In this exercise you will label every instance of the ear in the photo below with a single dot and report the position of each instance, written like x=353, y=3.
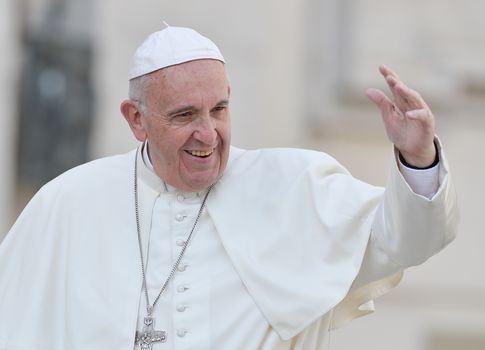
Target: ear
x=131, y=112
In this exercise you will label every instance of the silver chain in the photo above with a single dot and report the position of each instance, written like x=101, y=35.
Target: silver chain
x=182, y=252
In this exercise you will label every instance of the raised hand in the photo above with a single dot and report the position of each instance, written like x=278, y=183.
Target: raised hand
x=407, y=118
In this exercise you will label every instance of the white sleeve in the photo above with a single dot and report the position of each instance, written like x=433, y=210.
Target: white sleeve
x=417, y=217
x=424, y=182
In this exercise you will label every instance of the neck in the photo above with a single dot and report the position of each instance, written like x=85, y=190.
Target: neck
x=149, y=165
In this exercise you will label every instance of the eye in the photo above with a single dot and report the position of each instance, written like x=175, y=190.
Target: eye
x=183, y=115
x=219, y=108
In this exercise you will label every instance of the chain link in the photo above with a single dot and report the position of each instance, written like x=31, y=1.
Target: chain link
x=182, y=252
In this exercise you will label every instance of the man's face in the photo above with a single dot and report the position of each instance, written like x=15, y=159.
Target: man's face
x=187, y=123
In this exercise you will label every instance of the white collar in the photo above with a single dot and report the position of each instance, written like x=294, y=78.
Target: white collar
x=146, y=156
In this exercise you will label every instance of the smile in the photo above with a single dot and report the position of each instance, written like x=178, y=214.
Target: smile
x=201, y=154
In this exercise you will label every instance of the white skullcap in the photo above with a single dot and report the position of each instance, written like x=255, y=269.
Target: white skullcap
x=171, y=46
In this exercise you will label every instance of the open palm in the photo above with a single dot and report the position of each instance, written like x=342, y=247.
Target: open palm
x=407, y=118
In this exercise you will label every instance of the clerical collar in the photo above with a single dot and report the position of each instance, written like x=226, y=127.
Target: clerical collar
x=146, y=156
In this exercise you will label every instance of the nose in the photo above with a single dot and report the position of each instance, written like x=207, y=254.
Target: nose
x=205, y=131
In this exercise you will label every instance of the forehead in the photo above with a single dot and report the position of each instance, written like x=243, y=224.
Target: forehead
x=189, y=77
x=195, y=83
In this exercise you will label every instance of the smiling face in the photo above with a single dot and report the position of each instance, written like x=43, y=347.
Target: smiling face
x=185, y=119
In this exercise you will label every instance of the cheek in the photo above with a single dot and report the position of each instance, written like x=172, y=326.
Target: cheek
x=225, y=131
x=170, y=142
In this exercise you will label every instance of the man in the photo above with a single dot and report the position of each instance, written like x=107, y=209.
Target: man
x=188, y=242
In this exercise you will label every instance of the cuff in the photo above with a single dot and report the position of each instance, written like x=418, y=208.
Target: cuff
x=423, y=181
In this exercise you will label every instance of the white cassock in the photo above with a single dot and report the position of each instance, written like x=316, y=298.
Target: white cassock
x=289, y=247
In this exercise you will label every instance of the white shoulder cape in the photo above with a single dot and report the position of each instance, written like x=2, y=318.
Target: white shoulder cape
x=295, y=224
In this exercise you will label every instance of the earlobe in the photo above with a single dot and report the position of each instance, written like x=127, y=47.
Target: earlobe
x=131, y=112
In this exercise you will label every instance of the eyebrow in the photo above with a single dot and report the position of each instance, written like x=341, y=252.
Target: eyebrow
x=180, y=110
x=223, y=102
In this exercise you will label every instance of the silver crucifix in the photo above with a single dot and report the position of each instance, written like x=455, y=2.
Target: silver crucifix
x=148, y=335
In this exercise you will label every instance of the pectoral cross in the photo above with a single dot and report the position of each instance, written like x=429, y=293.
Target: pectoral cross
x=148, y=335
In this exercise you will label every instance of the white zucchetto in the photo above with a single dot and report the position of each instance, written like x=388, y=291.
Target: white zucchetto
x=171, y=46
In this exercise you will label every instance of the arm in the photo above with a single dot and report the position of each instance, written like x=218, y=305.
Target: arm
x=409, y=228
x=412, y=223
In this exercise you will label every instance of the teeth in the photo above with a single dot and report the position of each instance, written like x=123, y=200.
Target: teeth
x=200, y=153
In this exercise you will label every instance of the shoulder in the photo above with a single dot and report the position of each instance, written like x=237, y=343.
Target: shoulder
x=96, y=176
x=283, y=159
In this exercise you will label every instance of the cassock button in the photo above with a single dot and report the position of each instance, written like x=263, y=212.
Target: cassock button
x=182, y=288
x=181, y=308
x=180, y=197
x=180, y=242
x=181, y=267
x=179, y=217
x=182, y=332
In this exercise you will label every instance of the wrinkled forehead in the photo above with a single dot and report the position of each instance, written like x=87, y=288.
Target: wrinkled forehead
x=188, y=82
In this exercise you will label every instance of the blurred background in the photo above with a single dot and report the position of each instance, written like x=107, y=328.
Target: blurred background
x=298, y=70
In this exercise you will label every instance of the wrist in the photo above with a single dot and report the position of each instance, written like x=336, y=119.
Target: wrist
x=426, y=161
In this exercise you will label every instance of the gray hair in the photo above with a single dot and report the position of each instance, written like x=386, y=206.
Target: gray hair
x=138, y=90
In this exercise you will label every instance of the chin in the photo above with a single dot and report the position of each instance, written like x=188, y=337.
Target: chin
x=202, y=184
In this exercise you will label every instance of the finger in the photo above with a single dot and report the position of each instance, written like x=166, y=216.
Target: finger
x=406, y=98
x=375, y=96
x=388, y=72
x=386, y=106
x=379, y=98
x=392, y=80
x=395, y=86
x=423, y=115
x=410, y=98
x=424, y=118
